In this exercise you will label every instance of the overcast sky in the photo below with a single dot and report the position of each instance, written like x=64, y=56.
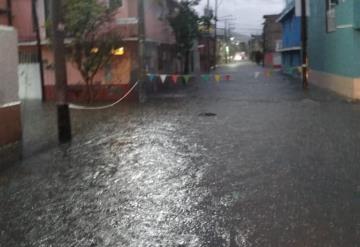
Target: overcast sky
x=247, y=13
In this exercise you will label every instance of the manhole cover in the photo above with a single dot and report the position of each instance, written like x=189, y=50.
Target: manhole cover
x=207, y=114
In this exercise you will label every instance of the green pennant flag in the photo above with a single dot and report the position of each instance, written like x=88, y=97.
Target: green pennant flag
x=187, y=78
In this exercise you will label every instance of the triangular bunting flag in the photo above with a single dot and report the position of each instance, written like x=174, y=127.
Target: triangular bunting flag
x=266, y=73
x=163, y=78
x=217, y=78
x=151, y=77
x=187, y=78
x=205, y=77
x=174, y=78
x=227, y=77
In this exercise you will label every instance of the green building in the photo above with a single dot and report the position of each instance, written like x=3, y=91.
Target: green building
x=334, y=46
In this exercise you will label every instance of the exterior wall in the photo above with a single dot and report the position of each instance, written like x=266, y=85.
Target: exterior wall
x=4, y=17
x=22, y=19
x=156, y=24
x=271, y=34
x=255, y=46
x=291, y=39
x=346, y=86
x=109, y=84
x=291, y=59
x=121, y=72
x=291, y=25
x=10, y=124
x=335, y=54
x=272, y=59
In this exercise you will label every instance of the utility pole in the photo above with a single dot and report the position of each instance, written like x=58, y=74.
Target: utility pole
x=63, y=113
x=39, y=50
x=304, y=43
x=141, y=51
x=207, y=14
x=9, y=12
x=215, y=41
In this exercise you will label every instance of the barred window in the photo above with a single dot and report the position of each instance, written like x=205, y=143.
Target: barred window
x=331, y=15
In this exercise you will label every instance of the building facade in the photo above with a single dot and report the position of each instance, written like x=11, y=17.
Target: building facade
x=117, y=76
x=256, y=48
x=290, y=45
x=334, y=46
x=10, y=116
x=272, y=33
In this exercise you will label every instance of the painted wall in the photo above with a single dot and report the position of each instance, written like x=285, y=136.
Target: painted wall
x=291, y=30
x=8, y=65
x=156, y=26
x=291, y=38
x=291, y=59
x=10, y=124
x=3, y=18
x=335, y=52
x=22, y=18
x=122, y=69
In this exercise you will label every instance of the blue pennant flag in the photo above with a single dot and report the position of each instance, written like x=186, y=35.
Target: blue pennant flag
x=151, y=77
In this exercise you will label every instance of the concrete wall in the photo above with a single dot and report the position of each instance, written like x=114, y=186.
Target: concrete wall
x=8, y=65
x=10, y=124
x=334, y=52
x=334, y=56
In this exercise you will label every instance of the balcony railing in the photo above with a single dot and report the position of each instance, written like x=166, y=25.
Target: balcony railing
x=279, y=45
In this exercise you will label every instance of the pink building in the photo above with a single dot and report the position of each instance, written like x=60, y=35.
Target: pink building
x=115, y=78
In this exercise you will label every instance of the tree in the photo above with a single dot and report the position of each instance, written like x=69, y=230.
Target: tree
x=92, y=38
x=184, y=22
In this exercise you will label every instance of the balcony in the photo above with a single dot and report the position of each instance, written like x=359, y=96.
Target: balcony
x=280, y=47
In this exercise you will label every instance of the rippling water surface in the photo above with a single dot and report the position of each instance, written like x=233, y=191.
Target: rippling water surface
x=251, y=162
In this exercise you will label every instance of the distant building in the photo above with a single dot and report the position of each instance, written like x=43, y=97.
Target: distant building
x=114, y=80
x=272, y=33
x=290, y=45
x=256, y=48
x=334, y=46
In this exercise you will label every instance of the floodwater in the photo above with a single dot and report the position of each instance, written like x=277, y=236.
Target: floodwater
x=250, y=162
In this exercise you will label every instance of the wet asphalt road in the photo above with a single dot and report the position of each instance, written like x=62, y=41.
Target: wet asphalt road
x=276, y=166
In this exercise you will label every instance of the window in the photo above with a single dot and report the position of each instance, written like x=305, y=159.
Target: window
x=113, y=4
x=331, y=15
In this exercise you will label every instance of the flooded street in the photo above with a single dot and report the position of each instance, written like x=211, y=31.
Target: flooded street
x=246, y=162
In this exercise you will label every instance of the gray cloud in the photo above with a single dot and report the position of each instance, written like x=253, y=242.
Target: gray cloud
x=248, y=13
